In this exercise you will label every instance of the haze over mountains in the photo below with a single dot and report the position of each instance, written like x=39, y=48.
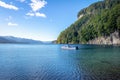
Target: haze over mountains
x=11, y=39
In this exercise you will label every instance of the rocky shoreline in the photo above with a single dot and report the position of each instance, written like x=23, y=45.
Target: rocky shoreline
x=113, y=39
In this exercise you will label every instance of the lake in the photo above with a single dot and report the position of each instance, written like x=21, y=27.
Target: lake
x=50, y=62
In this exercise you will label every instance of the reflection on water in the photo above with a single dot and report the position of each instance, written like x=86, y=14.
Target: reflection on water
x=50, y=62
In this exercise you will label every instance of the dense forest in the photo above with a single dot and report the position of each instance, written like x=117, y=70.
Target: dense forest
x=99, y=19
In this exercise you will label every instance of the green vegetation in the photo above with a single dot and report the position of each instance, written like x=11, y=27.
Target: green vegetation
x=99, y=19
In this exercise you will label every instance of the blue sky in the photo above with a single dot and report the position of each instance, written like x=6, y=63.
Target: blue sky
x=38, y=19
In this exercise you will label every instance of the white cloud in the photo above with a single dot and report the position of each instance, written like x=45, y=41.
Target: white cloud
x=37, y=14
x=8, y=6
x=36, y=5
x=40, y=14
x=12, y=24
x=30, y=14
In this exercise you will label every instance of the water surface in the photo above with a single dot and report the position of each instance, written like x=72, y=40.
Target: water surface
x=50, y=62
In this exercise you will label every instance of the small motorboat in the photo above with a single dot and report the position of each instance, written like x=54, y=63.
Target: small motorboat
x=69, y=47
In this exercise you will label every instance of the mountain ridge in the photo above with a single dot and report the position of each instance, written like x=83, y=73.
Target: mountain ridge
x=11, y=39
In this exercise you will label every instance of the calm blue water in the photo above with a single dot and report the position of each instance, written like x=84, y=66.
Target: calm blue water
x=50, y=62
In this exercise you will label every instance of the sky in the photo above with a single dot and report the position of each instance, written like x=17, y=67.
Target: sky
x=38, y=19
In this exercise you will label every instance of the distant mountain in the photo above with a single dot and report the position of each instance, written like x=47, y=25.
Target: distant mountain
x=47, y=42
x=54, y=42
x=50, y=42
x=11, y=39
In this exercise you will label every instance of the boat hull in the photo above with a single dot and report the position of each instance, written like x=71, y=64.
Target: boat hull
x=69, y=48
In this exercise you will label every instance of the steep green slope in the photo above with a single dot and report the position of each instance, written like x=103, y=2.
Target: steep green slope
x=99, y=19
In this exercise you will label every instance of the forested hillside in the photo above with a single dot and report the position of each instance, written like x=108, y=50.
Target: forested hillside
x=100, y=19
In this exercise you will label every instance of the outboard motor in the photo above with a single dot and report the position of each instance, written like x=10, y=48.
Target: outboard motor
x=76, y=47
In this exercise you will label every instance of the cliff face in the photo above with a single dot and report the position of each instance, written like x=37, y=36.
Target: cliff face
x=113, y=39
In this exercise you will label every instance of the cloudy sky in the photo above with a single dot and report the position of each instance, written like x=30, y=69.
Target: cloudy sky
x=38, y=19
